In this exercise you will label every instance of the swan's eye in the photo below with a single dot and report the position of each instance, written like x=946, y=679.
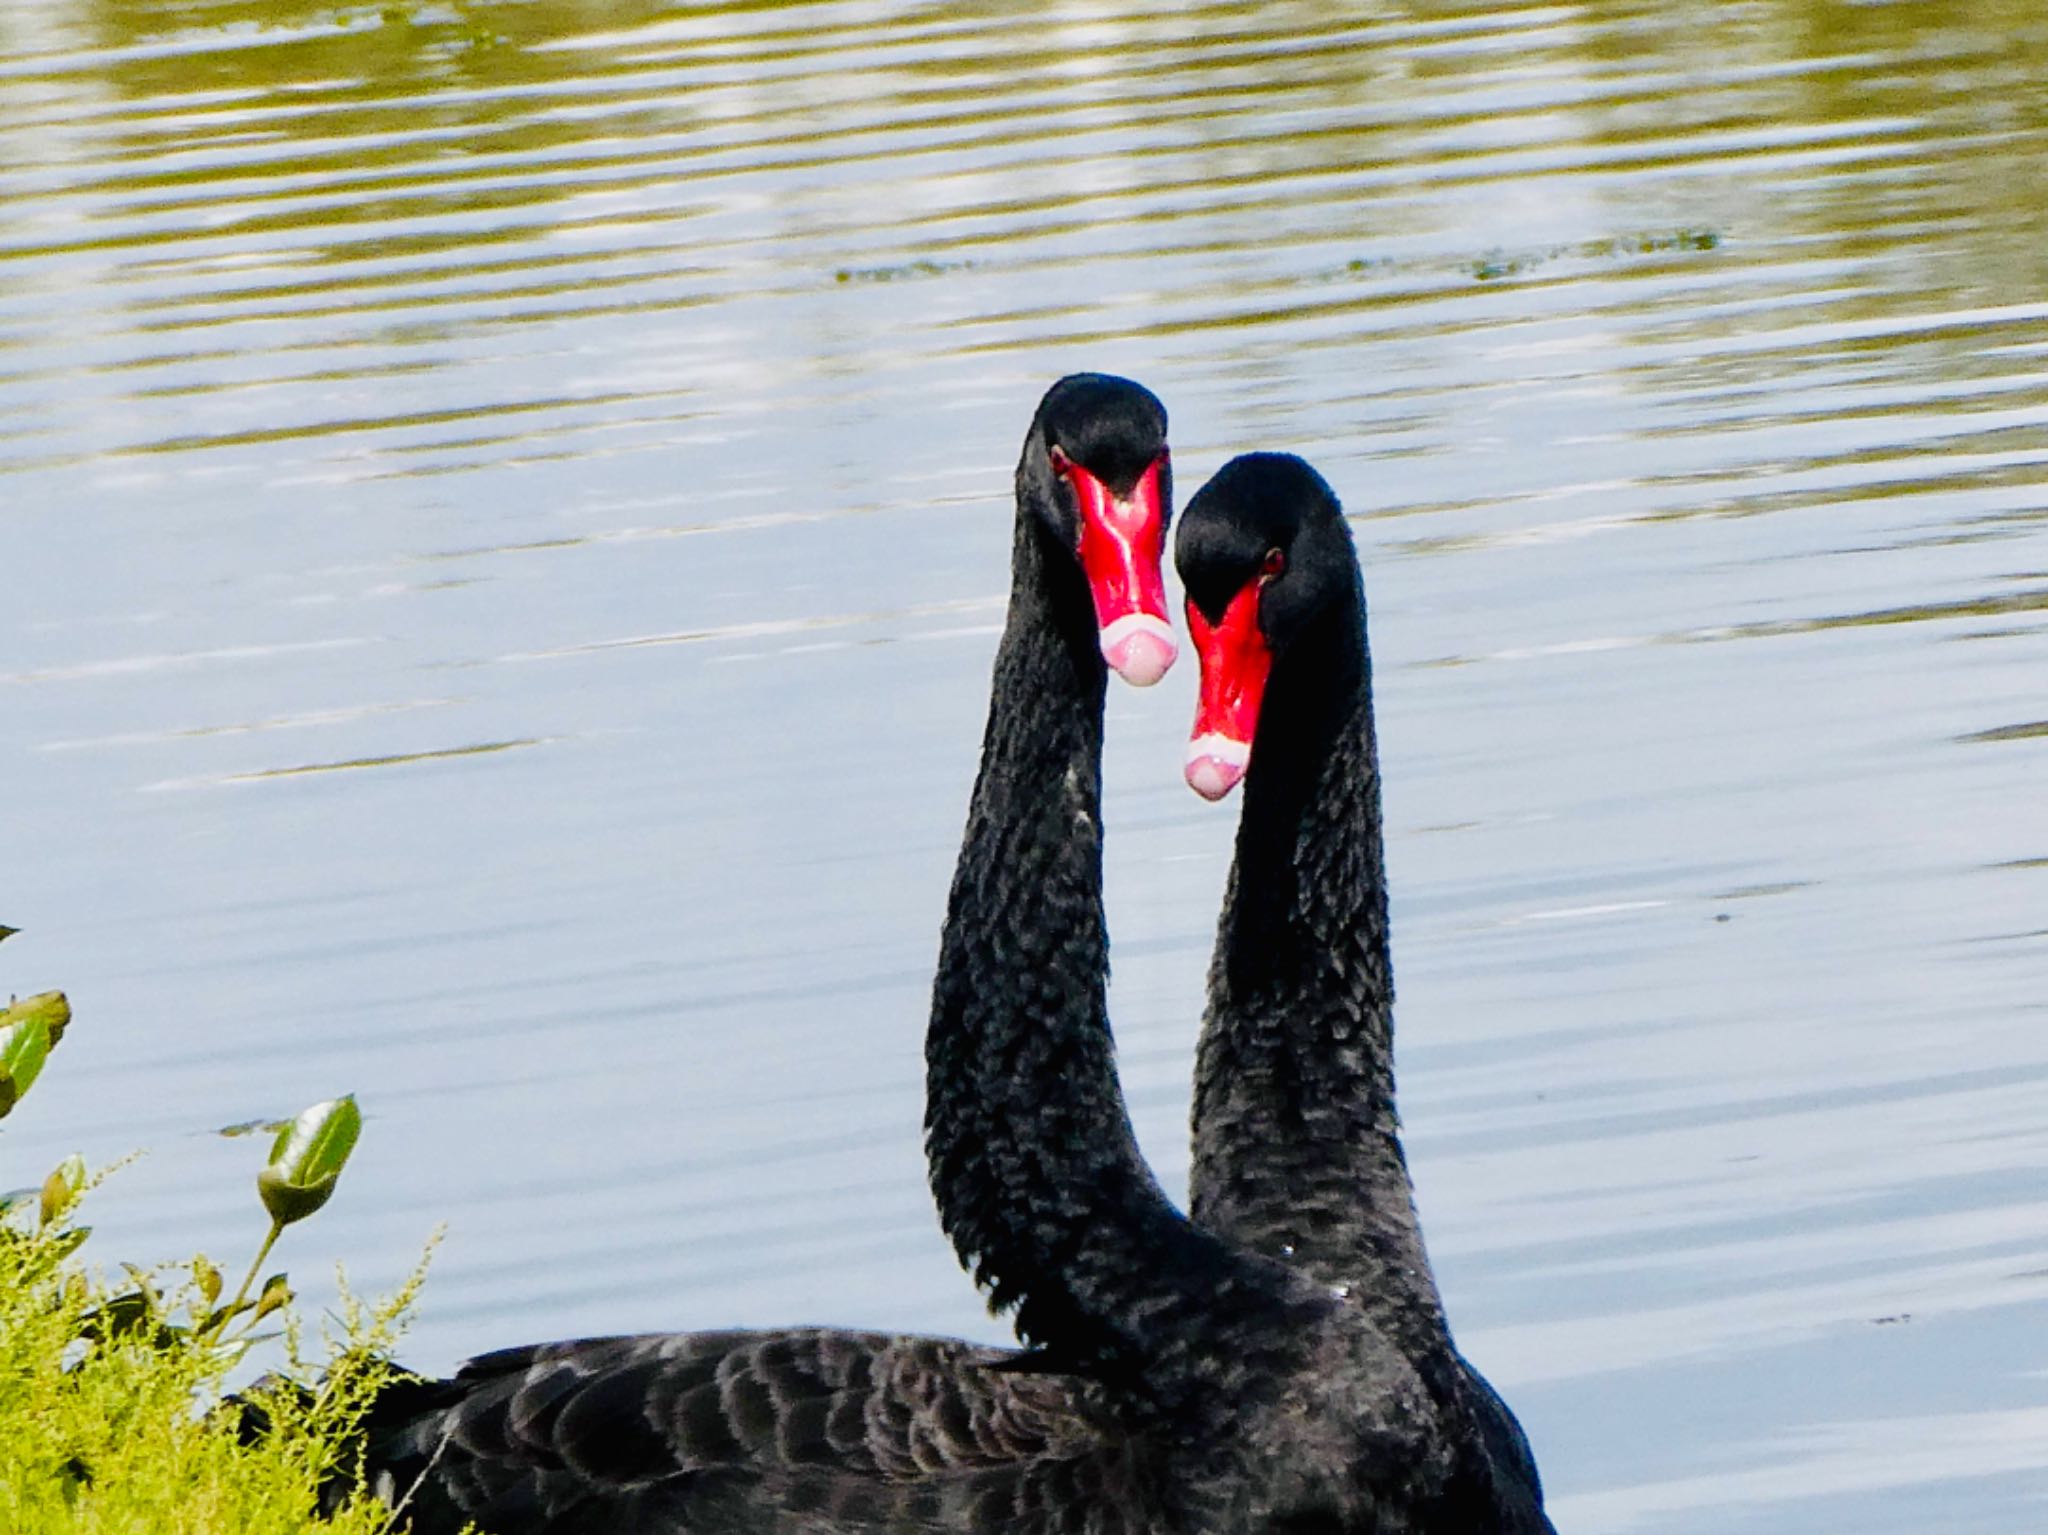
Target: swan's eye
x=1061, y=464
x=1270, y=567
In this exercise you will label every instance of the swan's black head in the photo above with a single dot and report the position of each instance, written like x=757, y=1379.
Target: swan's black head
x=1264, y=552
x=1095, y=472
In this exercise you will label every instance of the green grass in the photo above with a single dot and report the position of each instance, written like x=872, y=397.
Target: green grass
x=111, y=1395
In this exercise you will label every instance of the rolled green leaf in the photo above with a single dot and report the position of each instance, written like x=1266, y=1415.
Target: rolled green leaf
x=287, y=1201
x=275, y=1295
x=62, y=1188
x=307, y=1158
x=24, y=1046
x=50, y=1006
x=55, y=1008
x=7, y=932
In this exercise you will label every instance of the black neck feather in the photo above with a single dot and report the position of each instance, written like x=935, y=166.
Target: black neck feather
x=1297, y=1147
x=1038, y=1178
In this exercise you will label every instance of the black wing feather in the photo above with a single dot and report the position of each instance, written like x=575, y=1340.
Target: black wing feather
x=789, y=1429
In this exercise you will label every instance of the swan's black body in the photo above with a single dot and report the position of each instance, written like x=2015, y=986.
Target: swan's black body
x=1297, y=1152
x=1246, y=1396
x=793, y=1429
x=1027, y=1140
x=827, y=1431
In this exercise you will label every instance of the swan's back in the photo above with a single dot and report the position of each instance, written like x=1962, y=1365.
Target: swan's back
x=795, y=1429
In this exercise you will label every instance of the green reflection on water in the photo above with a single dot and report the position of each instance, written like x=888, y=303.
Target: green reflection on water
x=359, y=89
x=1720, y=172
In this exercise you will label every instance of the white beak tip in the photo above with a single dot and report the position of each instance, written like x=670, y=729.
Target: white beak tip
x=1139, y=648
x=1215, y=764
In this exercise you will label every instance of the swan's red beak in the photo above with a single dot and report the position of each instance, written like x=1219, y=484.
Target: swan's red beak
x=1235, y=662
x=1121, y=541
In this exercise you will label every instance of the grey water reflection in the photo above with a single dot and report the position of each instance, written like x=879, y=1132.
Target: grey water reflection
x=503, y=522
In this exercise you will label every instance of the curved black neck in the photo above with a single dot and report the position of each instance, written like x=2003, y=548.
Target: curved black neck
x=1297, y=1152
x=1038, y=1177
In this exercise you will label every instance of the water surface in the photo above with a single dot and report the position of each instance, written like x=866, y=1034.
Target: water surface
x=503, y=521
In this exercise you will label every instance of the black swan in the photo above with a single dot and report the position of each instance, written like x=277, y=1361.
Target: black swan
x=820, y=1430
x=1297, y=1152
x=1244, y=1393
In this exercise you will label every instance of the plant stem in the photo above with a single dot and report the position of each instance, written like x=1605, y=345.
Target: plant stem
x=234, y=1306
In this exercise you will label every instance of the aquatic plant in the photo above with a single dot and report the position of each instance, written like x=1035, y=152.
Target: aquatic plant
x=115, y=1392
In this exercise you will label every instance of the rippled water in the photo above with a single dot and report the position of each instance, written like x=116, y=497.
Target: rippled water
x=503, y=519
